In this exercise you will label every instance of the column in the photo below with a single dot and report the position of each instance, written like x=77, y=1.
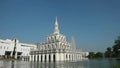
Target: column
x=32, y=57
x=57, y=56
x=39, y=57
x=51, y=56
x=47, y=57
x=43, y=57
x=62, y=56
x=16, y=55
x=36, y=58
x=11, y=54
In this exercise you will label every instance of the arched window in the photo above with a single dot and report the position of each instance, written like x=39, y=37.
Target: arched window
x=51, y=46
x=55, y=38
x=56, y=46
x=48, y=47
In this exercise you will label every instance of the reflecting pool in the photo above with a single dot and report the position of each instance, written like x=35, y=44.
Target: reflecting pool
x=100, y=63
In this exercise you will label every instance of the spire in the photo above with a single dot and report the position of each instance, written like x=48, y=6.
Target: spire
x=56, y=30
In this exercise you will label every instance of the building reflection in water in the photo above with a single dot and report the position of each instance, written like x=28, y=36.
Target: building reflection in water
x=56, y=65
x=1, y=64
x=82, y=64
x=23, y=64
x=12, y=64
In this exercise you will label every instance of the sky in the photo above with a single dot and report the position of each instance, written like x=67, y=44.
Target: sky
x=94, y=24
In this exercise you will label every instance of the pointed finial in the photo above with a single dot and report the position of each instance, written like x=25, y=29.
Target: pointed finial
x=56, y=21
x=56, y=30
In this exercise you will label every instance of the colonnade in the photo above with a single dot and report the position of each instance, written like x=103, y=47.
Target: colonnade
x=53, y=57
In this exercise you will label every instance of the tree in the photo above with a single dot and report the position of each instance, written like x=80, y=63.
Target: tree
x=116, y=48
x=91, y=55
x=98, y=55
x=108, y=53
x=95, y=55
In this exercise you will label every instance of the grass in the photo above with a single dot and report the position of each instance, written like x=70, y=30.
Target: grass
x=116, y=66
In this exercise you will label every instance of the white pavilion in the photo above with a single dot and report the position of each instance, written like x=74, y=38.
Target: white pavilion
x=56, y=48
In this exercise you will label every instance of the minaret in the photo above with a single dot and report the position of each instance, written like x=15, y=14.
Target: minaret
x=56, y=30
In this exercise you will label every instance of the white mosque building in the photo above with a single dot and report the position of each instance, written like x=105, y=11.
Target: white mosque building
x=57, y=48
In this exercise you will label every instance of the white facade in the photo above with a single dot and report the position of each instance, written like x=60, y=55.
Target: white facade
x=6, y=46
x=14, y=49
x=56, y=48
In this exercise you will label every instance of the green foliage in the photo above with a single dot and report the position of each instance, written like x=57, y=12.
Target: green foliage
x=93, y=55
x=116, y=66
x=116, y=48
x=98, y=55
x=108, y=53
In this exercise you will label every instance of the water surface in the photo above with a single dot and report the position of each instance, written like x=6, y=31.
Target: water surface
x=100, y=63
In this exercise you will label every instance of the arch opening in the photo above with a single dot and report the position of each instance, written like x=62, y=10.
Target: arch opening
x=49, y=58
x=45, y=58
x=54, y=57
x=41, y=58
